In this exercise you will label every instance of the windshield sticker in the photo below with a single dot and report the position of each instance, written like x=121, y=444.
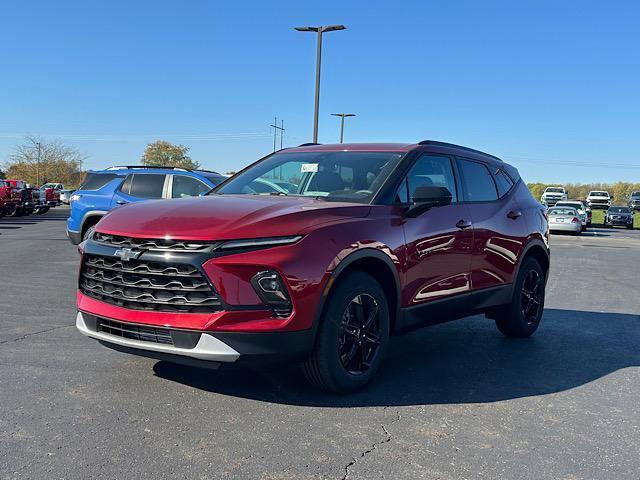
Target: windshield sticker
x=309, y=168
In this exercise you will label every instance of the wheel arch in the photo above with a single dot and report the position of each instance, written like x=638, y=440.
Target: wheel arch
x=90, y=219
x=537, y=249
x=375, y=263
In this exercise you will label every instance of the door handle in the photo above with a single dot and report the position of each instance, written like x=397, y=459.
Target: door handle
x=514, y=215
x=462, y=224
x=121, y=202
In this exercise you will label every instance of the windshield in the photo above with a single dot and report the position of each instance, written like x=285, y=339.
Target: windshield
x=619, y=210
x=599, y=194
x=334, y=176
x=562, y=211
x=555, y=190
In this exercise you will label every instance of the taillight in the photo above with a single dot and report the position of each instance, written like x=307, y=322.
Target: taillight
x=575, y=220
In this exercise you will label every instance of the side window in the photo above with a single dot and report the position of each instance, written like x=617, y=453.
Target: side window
x=94, y=181
x=185, y=186
x=503, y=182
x=126, y=185
x=429, y=170
x=147, y=185
x=477, y=182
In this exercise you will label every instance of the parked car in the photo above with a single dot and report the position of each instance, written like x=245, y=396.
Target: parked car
x=107, y=189
x=587, y=208
x=65, y=196
x=553, y=195
x=375, y=239
x=599, y=199
x=51, y=195
x=582, y=213
x=22, y=202
x=634, y=201
x=564, y=219
x=619, y=217
x=7, y=199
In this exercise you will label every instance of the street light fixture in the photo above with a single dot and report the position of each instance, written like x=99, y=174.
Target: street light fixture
x=319, y=30
x=342, y=117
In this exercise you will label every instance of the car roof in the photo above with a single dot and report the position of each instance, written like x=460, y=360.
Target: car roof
x=434, y=145
x=124, y=170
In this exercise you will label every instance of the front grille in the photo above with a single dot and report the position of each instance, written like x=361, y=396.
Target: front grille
x=135, y=332
x=154, y=243
x=144, y=285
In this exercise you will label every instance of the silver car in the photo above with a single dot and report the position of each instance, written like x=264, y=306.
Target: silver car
x=564, y=219
x=582, y=212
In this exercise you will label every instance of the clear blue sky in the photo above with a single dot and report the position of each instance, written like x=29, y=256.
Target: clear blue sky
x=552, y=86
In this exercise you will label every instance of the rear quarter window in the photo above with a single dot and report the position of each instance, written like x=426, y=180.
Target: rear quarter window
x=95, y=181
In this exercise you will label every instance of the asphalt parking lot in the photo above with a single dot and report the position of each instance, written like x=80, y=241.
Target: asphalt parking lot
x=453, y=401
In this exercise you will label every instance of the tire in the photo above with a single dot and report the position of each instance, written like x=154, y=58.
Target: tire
x=511, y=320
x=325, y=368
x=88, y=233
x=16, y=213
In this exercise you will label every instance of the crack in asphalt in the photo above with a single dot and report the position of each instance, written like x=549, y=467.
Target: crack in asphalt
x=35, y=333
x=375, y=445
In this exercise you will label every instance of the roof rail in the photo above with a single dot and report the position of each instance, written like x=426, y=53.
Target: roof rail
x=453, y=145
x=206, y=171
x=308, y=144
x=120, y=167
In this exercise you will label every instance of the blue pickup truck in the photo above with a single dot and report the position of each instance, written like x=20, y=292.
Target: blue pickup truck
x=104, y=190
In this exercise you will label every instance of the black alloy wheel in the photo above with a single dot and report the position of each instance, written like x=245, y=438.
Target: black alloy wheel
x=359, y=337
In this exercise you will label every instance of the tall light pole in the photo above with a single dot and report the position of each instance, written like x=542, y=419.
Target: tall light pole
x=342, y=117
x=319, y=30
x=38, y=165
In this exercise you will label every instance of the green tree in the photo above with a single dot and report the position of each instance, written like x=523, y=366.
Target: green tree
x=165, y=154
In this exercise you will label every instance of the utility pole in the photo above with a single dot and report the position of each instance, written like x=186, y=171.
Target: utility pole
x=276, y=128
x=319, y=30
x=342, y=117
x=281, y=132
x=38, y=166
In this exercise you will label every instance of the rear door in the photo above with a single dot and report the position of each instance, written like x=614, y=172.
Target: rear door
x=439, y=241
x=140, y=186
x=500, y=228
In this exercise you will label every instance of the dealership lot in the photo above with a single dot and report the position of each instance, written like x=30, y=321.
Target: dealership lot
x=453, y=401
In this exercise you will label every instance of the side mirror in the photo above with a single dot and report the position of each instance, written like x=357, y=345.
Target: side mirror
x=427, y=197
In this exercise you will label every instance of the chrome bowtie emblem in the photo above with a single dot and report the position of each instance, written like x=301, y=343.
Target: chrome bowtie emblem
x=127, y=254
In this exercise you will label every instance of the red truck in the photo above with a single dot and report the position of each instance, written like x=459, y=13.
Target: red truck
x=11, y=203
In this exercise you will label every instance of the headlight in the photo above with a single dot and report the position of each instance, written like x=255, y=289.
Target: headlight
x=258, y=242
x=74, y=197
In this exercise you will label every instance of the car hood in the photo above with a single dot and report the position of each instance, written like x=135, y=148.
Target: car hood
x=224, y=217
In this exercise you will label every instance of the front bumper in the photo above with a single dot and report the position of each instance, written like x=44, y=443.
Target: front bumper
x=209, y=348
x=74, y=237
x=619, y=222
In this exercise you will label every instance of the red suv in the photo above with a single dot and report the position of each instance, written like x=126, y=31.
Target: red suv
x=318, y=254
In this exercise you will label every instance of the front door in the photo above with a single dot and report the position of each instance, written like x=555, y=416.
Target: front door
x=439, y=241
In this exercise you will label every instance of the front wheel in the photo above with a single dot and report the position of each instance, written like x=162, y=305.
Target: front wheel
x=353, y=335
x=89, y=232
x=522, y=316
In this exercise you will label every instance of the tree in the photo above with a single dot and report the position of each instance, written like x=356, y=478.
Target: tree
x=164, y=154
x=39, y=161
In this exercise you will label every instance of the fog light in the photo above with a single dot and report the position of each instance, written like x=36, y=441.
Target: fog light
x=271, y=289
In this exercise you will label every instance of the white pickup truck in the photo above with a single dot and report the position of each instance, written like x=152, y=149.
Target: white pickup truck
x=553, y=195
x=599, y=199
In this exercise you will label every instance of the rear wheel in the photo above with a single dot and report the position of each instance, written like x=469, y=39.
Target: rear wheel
x=522, y=316
x=352, y=335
